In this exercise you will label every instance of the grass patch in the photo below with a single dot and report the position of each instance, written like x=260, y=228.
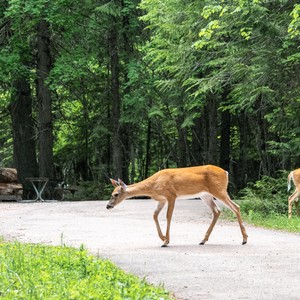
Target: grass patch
x=264, y=203
x=272, y=221
x=45, y=272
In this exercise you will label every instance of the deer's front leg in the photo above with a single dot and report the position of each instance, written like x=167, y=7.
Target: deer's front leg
x=160, y=206
x=169, y=218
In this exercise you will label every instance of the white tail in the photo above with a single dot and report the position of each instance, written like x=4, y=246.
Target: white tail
x=290, y=177
x=295, y=177
x=207, y=182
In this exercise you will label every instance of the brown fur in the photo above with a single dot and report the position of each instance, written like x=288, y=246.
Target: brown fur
x=295, y=177
x=167, y=185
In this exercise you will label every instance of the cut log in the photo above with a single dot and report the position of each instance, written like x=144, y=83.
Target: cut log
x=11, y=189
x=8, y=175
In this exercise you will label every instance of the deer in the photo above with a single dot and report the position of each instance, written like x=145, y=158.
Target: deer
x=208, y=182
x=295, y=177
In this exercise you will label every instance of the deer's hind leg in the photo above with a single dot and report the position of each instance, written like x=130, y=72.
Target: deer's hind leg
x=224, y=197
x=297, y=207
x=291, y=200
x=209, y=201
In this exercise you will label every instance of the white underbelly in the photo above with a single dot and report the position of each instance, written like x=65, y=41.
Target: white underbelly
x=193, y=196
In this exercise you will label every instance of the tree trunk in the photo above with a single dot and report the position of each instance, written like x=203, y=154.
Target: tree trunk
x=241, y=174
x=148, y=152
x=125, y=142
x=260, y=126
x=126, y=51
x=86, y=173
x=116, y=100
x=46, y=161
x=182, y=152
x=197, y=142
x=23, y=133
x=225, y=140
x=212, y=142
x=246, y=167
x=132, y=161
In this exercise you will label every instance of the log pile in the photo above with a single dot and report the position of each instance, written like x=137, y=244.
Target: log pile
x=10, y=189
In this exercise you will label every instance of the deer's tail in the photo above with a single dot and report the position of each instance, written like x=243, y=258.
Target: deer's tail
x=290, y=178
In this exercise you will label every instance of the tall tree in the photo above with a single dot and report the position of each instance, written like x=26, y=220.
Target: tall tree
x=23, y=133
x=17, y=55
x=116, y=98
x=46, y=162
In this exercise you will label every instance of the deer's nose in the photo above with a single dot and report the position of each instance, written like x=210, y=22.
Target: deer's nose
x=108, y=206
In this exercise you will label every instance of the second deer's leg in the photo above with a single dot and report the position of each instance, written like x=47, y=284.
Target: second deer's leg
x=297, y=208
x=160, y=206
x=291, y=200
x=209, y=201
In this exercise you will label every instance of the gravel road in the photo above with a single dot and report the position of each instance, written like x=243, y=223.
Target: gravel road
x=268, y=267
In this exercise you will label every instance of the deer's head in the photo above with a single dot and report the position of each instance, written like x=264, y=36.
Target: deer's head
x=118, y=194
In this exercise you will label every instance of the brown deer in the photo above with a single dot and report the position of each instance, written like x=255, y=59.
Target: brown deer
x=165, y=186
x=295, y=177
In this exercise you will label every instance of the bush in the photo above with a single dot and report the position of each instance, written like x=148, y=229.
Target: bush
x=92, y=190
x=266, y=196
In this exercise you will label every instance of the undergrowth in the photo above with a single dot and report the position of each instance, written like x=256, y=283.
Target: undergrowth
x=264, y=203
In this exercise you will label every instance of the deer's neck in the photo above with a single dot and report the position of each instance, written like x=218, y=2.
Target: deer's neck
x=142, y=188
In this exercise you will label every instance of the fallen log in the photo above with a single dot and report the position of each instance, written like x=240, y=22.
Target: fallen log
x=11, y=189
x=8, y=175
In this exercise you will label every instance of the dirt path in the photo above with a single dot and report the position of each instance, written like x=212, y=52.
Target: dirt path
x=268, y=267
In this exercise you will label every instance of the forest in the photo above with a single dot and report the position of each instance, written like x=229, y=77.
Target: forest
x=123, y=88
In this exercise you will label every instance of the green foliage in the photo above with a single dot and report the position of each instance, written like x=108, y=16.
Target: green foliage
x=6, y=142
x=241, y=47
x=267, y=196
x=90, y=190
x=109, y=8
x=273, y=221
x=264, y=203
x=294, y=27
x=174, y=58
x=43, y=272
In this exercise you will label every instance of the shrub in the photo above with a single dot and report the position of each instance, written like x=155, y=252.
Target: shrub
x=92, y=190
x=266, y=196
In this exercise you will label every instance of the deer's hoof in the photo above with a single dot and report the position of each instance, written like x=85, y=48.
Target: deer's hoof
x=165, y=244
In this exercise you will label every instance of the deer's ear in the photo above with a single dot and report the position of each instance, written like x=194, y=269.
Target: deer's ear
x=115, y=183
x=122, y=184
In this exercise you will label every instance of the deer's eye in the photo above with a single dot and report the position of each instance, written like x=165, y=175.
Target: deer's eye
x=116, y=195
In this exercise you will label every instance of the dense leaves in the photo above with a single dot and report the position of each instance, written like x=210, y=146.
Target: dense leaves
x=137, y=86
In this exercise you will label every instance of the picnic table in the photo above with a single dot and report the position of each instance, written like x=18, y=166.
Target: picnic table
x=39, y=185
x=45, y=190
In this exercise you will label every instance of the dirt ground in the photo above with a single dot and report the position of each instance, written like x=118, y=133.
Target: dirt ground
x=268, y=267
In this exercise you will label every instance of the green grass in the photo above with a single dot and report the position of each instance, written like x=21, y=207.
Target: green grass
x=256, y=215
x=30, y=271
x=273, y=221
x=265, y=203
